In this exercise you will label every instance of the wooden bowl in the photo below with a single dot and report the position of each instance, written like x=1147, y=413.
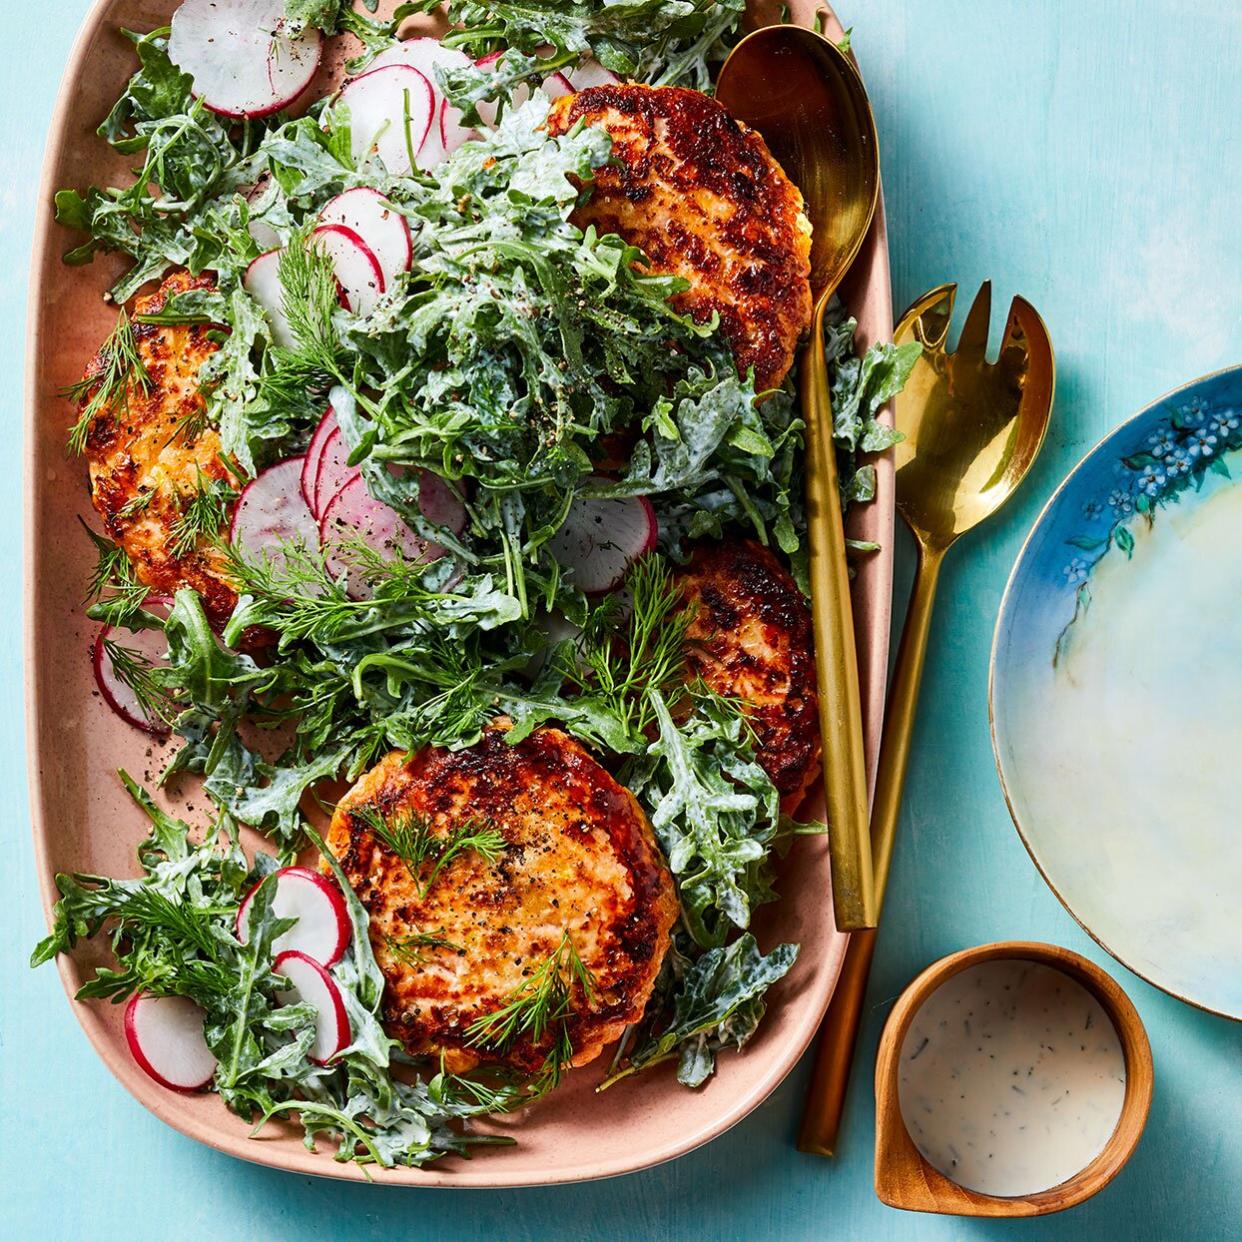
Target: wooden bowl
x=904, y=1179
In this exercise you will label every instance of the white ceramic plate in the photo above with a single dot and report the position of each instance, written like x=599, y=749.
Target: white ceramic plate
x=1117, y=693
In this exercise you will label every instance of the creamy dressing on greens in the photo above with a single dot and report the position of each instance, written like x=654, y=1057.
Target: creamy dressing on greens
x=1011, y=1078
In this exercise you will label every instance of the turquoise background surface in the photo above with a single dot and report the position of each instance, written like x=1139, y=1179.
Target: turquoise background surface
x=1086, y=155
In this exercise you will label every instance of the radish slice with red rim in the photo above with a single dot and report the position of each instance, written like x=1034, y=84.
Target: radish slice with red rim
x=263, y=233
x=439, y=504
x=589, y=73
x=381, y=227
x=453, y=133
x=314, y=455
x=353, y=514
x=311, y=984
x=241, y=62
x=390, y=113
x=602, y=537
x=262, y=282
x=322, y=930
x=256, y=226
x=556, y=86
x=147, y=646
x=427, y=55
x=271, y=513
x=358, y=271
x=334, y=471
x=165, y=1036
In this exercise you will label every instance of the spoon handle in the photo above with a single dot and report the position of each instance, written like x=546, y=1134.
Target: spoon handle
x=825, y=1099
x=836, y=659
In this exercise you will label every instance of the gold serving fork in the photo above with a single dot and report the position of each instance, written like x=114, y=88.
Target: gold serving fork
x=971, y=429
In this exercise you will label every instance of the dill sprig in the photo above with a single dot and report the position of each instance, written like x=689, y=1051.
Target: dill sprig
x=203, y=515
x=414, y=840
x=138, y=503
x=409, y=948
x=294, y=593
x=191, y=425
x=311, y=297
x=108, y=388
x=134, y=670
x=619, y=662
x=540, y=1005
x=114, y=592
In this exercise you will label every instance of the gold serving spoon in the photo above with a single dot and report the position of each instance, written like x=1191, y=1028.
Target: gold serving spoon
x=972, y=429
x=807, y=101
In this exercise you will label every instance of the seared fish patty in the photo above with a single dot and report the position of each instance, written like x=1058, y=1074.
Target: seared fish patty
x=703, y=198
x=575, y=864
x=151, y=453
x=750, y=638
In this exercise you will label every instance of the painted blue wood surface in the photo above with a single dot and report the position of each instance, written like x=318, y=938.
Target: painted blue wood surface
x=1086, y=155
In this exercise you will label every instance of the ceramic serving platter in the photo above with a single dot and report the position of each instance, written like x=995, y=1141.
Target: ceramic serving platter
x=1116, y=712
x=84, y=822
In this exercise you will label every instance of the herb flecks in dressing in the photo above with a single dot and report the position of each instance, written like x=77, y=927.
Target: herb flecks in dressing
x=1011, y=1078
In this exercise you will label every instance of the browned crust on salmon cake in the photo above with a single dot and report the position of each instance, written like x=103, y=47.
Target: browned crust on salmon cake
x=703, y=197
x=579, y=859
x=146, y=454
x=750, y=637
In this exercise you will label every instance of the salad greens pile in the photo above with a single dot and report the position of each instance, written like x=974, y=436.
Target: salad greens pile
x=513, y=354
x=173, y=932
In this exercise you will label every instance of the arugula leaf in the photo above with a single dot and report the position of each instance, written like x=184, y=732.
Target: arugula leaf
x=718, y=1003
x=715, y=811
x=664, y=42
x=159, y=89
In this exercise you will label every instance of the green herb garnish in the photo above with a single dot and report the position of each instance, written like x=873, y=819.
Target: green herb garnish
x=410, y=947
x=414, y=840
x=539, y=1007
x=107, y=388
x=203, y=515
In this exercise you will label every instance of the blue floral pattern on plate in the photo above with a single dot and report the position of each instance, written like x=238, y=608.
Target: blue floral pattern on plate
x=1114, y=692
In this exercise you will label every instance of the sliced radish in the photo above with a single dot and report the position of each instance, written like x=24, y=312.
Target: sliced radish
x=357, y=269
x=322, y=928
x=264, y=235
x=383, y=229
x=262, y=282
x=556, y=85
x=165, y=1035
x=241, y=63
x=590, y=73
x=602, y=537
x=314, y=454
x=149, y=645
x=333, y=473
x=258, y=228
x=438, y=503
x=353, y=513
x=452, y=132
x=271, y=512
x=428, y=55
x=311, y=984
x=390, y=113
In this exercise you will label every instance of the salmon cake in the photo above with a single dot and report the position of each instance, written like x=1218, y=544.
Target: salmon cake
x=750, y=638
x=700, y=194
x=151, y=452
x=487, y=870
